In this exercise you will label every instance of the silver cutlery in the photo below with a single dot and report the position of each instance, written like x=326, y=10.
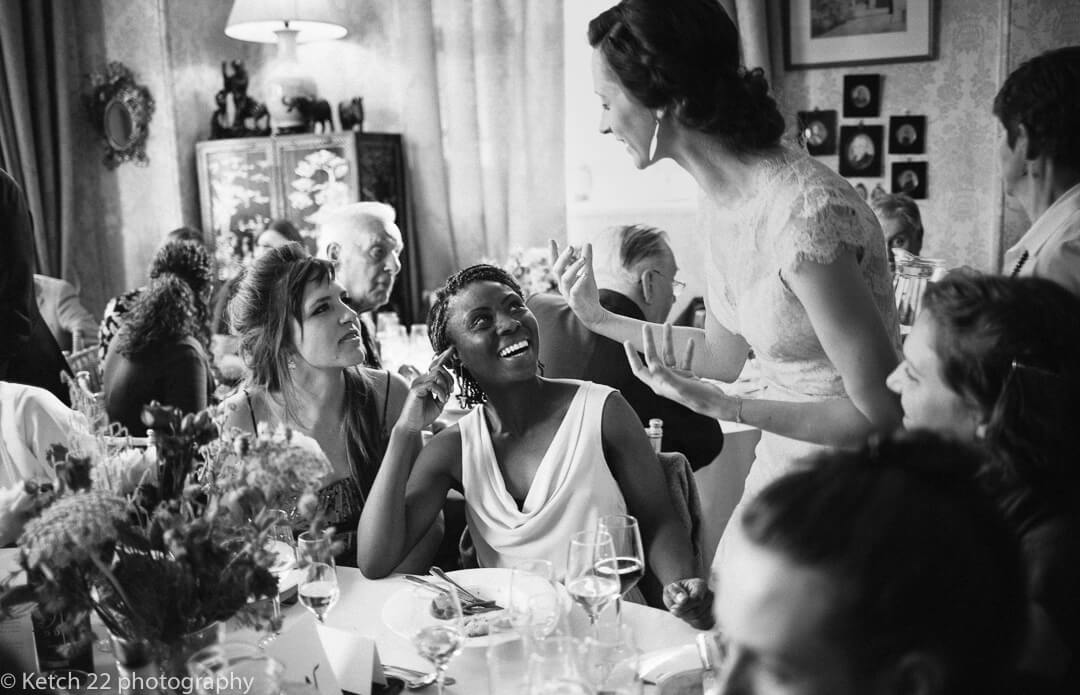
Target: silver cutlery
x=469, y=596
x=468, y=606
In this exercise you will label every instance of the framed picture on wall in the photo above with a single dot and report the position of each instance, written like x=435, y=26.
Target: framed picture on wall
x=827, y=33
x=909, y=178
x=861, y=150
x=818, y=130
x=862, y=96
x=907, y=134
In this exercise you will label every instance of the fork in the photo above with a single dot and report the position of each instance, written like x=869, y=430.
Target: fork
x=469, y=606
x=413, y=680
x=469, y=596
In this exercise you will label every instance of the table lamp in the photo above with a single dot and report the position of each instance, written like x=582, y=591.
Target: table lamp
x=287, y=23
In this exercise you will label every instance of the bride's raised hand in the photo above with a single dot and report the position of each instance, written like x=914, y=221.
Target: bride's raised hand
x=577, y=282
x=428, y=393
x=670, y=378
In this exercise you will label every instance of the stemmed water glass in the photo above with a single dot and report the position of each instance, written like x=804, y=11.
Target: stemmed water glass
x=587, y=585
x=281, y=546
x=315, y=547
x=319, y=589
x=628, y=565
x=436, y=625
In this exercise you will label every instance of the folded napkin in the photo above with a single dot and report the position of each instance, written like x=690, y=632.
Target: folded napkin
x=656, y=664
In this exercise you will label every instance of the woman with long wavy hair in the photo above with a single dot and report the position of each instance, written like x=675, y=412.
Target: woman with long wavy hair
x=301, y=345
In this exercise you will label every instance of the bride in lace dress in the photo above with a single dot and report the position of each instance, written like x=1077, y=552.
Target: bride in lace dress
x=796, y=263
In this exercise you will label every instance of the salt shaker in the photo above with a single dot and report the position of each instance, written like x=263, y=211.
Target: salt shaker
x=655, y=432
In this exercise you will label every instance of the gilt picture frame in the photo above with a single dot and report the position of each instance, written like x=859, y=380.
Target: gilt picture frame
x=830, y=33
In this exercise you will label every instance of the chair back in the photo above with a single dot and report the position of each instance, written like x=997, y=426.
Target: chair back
x=86, y=360
x=87, y=401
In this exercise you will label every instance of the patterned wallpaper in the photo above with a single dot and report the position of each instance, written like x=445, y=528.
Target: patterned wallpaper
x=955, y=93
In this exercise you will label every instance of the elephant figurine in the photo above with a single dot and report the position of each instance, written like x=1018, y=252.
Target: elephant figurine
x=351, y=114
x=315, y=113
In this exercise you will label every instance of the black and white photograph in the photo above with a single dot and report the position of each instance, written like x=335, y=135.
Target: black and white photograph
x=862, y=96
x=818, y=131
x=861, y=152
x=827, y=33
x=909, y=178
x=907, y=134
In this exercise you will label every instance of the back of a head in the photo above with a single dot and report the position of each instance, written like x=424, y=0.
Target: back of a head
x=268, y=296
x=342, y=224
x=920, y=558
x=165, y=313
x=898, y=206
x=187, y=260
x=1012, y=345
x=685, y=55
x=1041, y=94
x=640, y=243
x=286, y=229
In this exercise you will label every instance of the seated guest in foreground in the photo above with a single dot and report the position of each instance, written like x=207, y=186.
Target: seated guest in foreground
x=900, y=222
x=160, y=353
x=117, y=308
x=539, y=460
x=1040, y=164
x=883, y=571
x=996, y=361
x=301, y=345
x=636, y=275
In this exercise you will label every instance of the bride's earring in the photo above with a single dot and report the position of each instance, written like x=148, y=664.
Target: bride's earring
x=655, y=139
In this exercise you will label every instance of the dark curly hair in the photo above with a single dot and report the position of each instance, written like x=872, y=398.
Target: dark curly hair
x=269, y=297
x=191, y=262
x=165, y=313
x=919, y=558
x=1010, y=346
x=1041, y=94
x=684, y=55
x=471, y=393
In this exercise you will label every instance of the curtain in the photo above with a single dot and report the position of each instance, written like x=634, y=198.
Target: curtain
x=35, y=121
x=487, y=160
x=753, y=22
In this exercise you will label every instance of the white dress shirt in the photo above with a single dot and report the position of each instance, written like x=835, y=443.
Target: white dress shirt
x=1052, y=244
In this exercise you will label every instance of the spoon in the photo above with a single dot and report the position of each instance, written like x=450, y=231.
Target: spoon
x=465, y=593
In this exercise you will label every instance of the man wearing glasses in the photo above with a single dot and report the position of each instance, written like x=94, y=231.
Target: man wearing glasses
x=635, y=271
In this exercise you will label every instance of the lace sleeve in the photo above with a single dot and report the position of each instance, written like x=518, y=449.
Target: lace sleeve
x=824, y=223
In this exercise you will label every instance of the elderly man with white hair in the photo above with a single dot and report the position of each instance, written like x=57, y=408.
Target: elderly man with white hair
x=364, y=244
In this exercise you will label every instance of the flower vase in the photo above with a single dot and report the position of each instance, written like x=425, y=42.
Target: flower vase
x=175, y=455
x=136, y=666
x=174, y=661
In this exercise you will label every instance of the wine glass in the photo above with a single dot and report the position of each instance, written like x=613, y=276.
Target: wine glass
x=610, y=661
x=586, y=584
x=528, y=578
x=436, y=625
x=554, y=668
x=628, y=565
x=315, y=547
x=319, y=589
x=282, y=548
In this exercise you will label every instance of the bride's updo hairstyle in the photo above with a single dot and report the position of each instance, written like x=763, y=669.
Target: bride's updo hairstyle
x=684, y=55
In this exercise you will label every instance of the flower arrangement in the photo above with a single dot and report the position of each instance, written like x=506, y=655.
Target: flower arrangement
x=163, y=546
x=531, y=268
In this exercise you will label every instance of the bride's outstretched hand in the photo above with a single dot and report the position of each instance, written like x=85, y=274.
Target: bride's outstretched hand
x=428, y=393
x=577, y=282
x=672, y=378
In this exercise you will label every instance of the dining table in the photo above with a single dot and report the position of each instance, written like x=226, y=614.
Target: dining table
x=657, y=633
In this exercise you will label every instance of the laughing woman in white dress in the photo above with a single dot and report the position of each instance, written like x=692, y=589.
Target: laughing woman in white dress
x=795, y=261
x=536, y=461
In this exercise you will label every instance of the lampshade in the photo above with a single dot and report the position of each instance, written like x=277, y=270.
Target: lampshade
x=313, y=20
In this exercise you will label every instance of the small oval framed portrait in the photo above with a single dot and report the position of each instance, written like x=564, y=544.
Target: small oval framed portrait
x=861, y=150
x=862, y=95
x=818, y=130
x=909, y=178
x=907, y=134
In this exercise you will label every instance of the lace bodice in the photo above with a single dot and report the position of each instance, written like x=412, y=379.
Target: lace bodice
x=801, y=211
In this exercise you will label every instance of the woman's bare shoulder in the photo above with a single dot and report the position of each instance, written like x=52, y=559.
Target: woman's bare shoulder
x=245, y=407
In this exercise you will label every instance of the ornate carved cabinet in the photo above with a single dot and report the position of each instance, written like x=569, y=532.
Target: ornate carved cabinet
x=244, y=183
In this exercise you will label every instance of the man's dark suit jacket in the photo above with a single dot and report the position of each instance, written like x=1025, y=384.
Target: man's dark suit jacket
x=569, y=350
x=29, y=354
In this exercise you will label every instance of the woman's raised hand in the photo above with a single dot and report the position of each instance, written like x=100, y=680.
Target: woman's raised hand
x=577, y=282
x=670, y=377
x=428, y=393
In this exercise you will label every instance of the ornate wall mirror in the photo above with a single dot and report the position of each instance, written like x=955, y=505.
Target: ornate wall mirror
x=120, y=110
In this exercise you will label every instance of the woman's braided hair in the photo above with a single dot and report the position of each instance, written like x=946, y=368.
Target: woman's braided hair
x=471, y=393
